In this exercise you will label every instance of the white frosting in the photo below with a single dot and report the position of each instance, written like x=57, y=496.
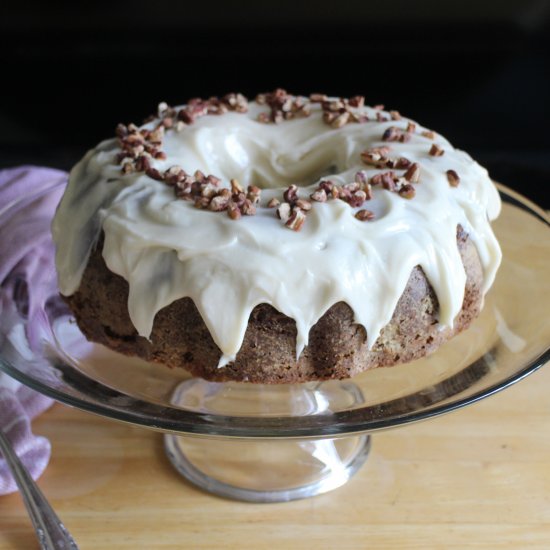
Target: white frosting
x=167, y=249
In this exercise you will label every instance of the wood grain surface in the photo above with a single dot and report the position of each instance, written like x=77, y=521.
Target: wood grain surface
x=476, y=478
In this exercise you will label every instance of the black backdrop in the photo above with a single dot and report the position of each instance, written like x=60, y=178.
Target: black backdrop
x=476, y=71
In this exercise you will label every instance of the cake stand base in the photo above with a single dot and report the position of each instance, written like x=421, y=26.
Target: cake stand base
x=268, y=470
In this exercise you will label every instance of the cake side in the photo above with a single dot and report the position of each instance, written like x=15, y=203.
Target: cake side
x=337, y=345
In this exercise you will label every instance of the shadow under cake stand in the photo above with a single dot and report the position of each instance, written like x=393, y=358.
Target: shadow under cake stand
x=270, y=443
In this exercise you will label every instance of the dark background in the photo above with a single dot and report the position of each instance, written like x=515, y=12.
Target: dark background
x=476, y=71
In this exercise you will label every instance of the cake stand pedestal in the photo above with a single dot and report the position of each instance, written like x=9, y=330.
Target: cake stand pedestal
x=267, y=470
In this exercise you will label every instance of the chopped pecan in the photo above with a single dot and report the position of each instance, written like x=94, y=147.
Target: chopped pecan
x=388, y=181
x=233, y=211
x=357, y=198
x=352, y=187
x=329, y=117
x=402, y=162
x=296, y=219
x=304, y=205
x=208, y=190
x=248, y=208
x=368, y=191
x=327, y=186
x=128, y=167
x=202, y=202
x=436, y=151
x=361, y=178
x=453, y=178
x=364, y=215
x=340, y=120
x=236, y=187
x=283, y=212
x=290, y=195
x=143, y=163
x=320, y=195
x=253, y=194
x=153, y=173
x=283, y=106
x=413, y=173
x=395, y=134
x=236, y=102
x=317, y=98
x=407, y=191
x=376, y=156
x=392, y=134
x=156, y=136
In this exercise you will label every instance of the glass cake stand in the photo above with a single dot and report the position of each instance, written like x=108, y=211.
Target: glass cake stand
x=267, y=443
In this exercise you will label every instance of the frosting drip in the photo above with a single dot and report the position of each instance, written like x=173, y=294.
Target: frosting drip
x=167, y=249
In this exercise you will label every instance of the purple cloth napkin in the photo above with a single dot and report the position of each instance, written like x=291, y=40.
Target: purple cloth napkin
x=28, y=287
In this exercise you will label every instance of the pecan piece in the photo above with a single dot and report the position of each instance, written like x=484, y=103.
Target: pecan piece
x=142, y=163
x=391, y=134
x=377, y=156
x=317, y=98
x=202, y=202
x=291, y=194
x=153, y=173
x=453, y=178
x=248, y=208
x=233, y=211
x=127, y=167
x=320, y=195
x=402, y=162
x=388, y=181
x=236, y=187
x=327, y=186
x=296, y=219
x=283, y=212
x=253, y=194
x=364, y=215
x=361, y=178
x=413, y=173
x=357, y=198
x=304, y=205
x=340, y=120
x=174, y=174
x=436, y=151
x=407, y=191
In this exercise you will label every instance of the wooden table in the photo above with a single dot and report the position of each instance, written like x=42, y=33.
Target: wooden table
x=476, y=478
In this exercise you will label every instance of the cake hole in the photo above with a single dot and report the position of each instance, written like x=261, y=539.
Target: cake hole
x=242, y=153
